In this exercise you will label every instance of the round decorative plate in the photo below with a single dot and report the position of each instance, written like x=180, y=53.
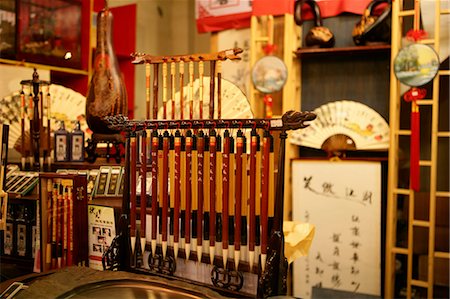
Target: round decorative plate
x=416, y=65
x=269, y=74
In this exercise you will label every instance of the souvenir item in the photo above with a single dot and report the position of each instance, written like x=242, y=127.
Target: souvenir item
x=319, y=35
x=353, y=125
x=415, y=65
x=77, y=144
x=374, y=28
x=65, y=105
x=201, y=183
x=269, y=74
x=107, y=94
x=4, y=129
x=62, y=144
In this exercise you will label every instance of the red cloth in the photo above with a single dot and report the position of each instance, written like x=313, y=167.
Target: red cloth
x=232, y=21
x=206, y=22
x=328, y=8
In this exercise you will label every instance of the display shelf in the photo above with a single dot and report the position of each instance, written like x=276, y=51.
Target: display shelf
x=44, y=66
x=84, y=165
x=107, y=201
x=359, y=50
x=17, y=198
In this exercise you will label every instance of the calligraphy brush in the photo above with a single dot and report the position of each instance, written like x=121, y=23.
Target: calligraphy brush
x=238, y=198
x=265, y=197
x=165, y=186
x=69, y=227
x=212, y=195
x=133, y=190
x=200, y=191
x=244, y=200
x=54, y=221
x=225, y=195
x=154, y=204
x=177, y=193
x=188, y=183
x=206, y=194
x=22, y=129
x=172, y=187
x=218, y=197
x=48, y=253
x=143, y=189
x=252, y=200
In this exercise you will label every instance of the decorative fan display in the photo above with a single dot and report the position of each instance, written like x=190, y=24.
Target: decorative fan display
x=234, y=102
x=66, y=105
x=358, y=126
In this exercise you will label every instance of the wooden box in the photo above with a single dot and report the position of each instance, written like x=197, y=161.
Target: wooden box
x=63, y=221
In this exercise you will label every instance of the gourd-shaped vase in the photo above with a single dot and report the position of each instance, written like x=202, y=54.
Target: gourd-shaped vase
x=106, y=94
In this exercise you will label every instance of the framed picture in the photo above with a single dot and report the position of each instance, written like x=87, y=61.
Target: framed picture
x=345, y=255
x=49, y=32
x=8, y=29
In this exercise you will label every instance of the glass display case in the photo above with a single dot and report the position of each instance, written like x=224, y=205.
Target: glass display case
x=49, y=32
x=7, y=28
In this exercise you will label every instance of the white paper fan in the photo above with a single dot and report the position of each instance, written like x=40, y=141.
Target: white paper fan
x=362, y=125
x=234, y=102
x=66, y=105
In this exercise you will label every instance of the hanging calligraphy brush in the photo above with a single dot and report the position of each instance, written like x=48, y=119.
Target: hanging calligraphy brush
x=415, y=66
x=165, y=195
x=177, y=192
x=143, y=155
x=212, y=195
x=188, y=188
x=240, y=144
x=133, y=191
x=254, y=143
x=154, y=204
x=269, y=74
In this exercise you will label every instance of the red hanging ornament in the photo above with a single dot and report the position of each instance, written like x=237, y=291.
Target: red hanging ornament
x=268, y=102
x=416, y=35
x=412, y=96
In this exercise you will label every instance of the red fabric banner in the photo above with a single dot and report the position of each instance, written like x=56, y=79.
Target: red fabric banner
x=213, y=16
x=328, y=8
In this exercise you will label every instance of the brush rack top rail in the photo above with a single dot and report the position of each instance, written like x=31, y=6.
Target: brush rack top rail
x=231, y=54
x=291, y=120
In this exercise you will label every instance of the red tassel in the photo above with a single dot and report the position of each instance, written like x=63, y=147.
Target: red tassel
x=415, y=148
x=268, y=101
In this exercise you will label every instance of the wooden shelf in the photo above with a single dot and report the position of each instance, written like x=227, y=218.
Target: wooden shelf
x=28, y=197
x=309, y=52
x=44, y=67
x=111, y=201
x=85, y=165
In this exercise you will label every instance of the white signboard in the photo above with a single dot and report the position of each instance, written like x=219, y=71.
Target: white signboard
x=102, y=230
x=343, y=200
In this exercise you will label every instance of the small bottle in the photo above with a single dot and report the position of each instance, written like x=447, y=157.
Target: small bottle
x=21, y=231
x=9, y=232
x=62, y=146
x=77, y=144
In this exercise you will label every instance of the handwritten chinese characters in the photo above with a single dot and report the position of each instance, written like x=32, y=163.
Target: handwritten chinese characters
x=343, y=201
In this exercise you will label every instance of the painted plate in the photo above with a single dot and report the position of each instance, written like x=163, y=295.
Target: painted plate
x=416, y=65
x=269, y=74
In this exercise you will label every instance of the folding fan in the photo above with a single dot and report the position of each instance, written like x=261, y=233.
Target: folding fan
x=350, y=121
x=234, y=102
x=66, y=105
